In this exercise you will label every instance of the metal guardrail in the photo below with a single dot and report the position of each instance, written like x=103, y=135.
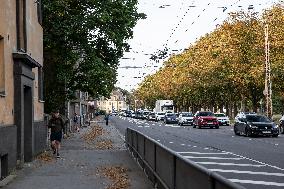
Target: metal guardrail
x=168, y=169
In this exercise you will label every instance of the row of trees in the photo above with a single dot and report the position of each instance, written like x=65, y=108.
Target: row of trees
x=83, y=42
x=224, y=68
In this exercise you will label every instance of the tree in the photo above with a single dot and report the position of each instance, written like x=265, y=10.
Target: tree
x=83, y=42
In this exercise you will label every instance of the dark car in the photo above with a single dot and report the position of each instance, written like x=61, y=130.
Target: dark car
x=253, y=125
x=205, y=119
x=151, y=116
x=170, y=118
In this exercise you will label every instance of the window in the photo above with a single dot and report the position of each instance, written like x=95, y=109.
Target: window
x=40, y=84
x=109, y=103
x=2, y=67
x=119, y=102
x=39, y=12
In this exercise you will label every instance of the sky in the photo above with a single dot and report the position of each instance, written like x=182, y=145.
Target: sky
x=174, y=24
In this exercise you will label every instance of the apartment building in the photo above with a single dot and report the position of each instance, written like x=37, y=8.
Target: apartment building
x=116, y=102
x=22, y=128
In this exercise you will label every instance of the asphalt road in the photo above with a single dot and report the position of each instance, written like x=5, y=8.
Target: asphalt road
x=256, y=163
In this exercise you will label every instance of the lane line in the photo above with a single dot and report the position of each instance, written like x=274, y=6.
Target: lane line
x=248, y=172
x=229, y=164
x=194, y=157
x=205, y=153
x=256, y=182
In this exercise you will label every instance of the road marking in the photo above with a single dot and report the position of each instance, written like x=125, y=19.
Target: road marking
x=183, y=144
x=194, y=157
x=228, y=164
x=153, y=124
x=248, y=172
x=140, y=126
x=272, y=166
x=205, y=153
x=158, y=140
x=171, y=142
x=257, y=182
x=147, y=126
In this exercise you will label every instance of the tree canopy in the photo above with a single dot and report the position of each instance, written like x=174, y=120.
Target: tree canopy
x=83, y=42
x=224, y=68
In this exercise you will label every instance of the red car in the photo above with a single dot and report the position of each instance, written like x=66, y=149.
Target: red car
x=205, y=119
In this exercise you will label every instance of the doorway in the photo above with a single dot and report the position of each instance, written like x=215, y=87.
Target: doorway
x=28, y=124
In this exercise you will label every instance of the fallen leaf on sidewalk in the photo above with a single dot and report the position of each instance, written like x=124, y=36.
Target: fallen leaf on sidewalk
x=45, y=157
x=95, y=131
x=104, y=144
x=117, y=175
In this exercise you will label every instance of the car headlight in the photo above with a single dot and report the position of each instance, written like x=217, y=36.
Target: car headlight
x=253, y=127
x=276, y=126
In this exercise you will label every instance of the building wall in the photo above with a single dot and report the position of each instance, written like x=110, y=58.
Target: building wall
x=8, y=35
x=115, y=101
x=17, y=74
x=35, y=50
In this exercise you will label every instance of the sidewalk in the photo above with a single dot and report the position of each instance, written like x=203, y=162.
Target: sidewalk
x=85, y=164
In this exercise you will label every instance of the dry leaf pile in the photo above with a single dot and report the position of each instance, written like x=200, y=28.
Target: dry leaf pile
x=90, y=136
x=104, y=144
x=45, y=157
x=118, y=177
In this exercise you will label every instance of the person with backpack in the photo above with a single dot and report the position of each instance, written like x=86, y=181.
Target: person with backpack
x=56, y=125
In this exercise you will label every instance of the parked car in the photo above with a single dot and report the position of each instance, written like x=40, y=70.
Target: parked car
x=205, y=119
x=281, y=124
x=133, y=115
x=185, y=118
x=159, y=116
x=170, y=118
x=151, y=116
x=145, y=114
x=253, y=125
x=222, y=119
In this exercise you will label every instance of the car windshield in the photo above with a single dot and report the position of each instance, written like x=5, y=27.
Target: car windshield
x=170, y=115
x=152, y=114
x=257, y=118
x=146, y=113
x=206, y=114
x=186, y=115
x=220, y=115
x=161, y=113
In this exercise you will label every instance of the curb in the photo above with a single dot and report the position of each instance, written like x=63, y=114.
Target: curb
x=7, y=180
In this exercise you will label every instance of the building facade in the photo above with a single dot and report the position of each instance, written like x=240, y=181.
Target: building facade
x=116, y=102
x=22, y=129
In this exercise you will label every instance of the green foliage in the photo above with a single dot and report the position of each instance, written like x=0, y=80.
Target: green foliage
x=83, y=42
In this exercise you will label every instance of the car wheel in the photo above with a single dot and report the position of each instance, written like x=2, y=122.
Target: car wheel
x=236, y=132
x=217, y=127
x=276, y=135
x=248, y=132
x=193, y=126
x=199, y=127
x=181, y=124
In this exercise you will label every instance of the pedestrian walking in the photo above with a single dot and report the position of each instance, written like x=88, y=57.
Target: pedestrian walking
x=76, y=122
x=107, y=118
x=56, y=125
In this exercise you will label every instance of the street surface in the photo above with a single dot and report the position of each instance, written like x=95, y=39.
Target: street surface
x=256, y=163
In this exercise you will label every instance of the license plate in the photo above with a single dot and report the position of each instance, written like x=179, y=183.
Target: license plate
x=209, y=123
x=266, y=132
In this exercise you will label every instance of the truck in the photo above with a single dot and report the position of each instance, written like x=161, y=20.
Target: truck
x=165, y=106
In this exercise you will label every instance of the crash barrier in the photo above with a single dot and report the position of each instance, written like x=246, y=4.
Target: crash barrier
x=168, y=169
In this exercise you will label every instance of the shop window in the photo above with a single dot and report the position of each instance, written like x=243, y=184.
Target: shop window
x=2, y=67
